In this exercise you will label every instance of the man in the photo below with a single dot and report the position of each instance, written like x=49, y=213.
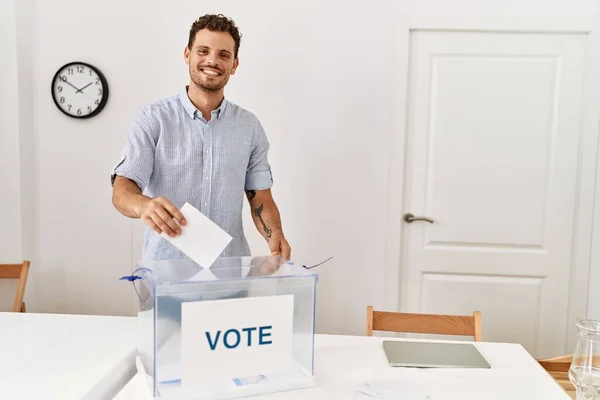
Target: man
x=200, y=148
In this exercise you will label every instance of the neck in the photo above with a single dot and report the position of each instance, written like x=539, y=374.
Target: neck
x=205, y=101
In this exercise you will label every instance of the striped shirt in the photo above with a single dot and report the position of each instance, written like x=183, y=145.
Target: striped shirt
x=171, y=151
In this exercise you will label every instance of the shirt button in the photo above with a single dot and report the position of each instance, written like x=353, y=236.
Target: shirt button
x=206, y=151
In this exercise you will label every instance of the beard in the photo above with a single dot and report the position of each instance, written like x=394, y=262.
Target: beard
x=207, y=84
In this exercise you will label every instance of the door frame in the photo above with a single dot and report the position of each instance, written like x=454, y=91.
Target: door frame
x=588, y=168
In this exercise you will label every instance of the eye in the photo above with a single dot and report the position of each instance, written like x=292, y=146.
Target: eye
x=225, y=56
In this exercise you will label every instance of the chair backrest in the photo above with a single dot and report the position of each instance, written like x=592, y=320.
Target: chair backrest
x=20, y=272
x=436, y=324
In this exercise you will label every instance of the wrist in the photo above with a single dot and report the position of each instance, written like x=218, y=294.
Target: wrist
x=276, y=234
x=140, y=204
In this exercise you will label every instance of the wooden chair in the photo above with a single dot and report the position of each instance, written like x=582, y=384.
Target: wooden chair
x=558, y=368
x=469, y=325
x=20, y=272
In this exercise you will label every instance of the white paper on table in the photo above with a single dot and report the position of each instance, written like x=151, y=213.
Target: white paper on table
x=392, y=390
x=201, y=239
x=366, y=393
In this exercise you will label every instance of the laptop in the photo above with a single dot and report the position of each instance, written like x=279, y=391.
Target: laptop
x=433, y=355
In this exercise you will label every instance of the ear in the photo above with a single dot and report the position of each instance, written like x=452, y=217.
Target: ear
x=236, y=62
x=186, y=55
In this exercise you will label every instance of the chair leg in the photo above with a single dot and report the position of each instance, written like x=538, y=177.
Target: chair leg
x=23, y=308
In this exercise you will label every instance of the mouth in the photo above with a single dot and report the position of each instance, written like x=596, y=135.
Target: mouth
x=211, y=72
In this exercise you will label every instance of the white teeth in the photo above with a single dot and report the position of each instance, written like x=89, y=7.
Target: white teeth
x=209, y=72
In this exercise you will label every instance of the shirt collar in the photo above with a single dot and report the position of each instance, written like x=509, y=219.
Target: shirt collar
x=193, y=112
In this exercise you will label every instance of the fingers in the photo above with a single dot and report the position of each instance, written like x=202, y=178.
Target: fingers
x=160, y=225
x=158, y=214
x=174, y=211
x=286, y=250
x=168, y=224
x=274, y=246
x=148, y=221
x=280, y=247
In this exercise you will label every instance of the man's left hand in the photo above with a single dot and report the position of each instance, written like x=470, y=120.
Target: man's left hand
x=280, y=247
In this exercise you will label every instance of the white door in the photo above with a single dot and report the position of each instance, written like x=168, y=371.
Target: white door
x=492, y=154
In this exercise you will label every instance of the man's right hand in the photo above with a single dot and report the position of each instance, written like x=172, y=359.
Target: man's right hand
x=162, y=216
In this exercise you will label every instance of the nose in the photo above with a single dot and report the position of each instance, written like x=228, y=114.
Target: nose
x=212, y=59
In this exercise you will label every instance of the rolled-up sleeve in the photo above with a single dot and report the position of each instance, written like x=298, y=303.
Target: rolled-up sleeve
x=258, y=174
x=137, y=160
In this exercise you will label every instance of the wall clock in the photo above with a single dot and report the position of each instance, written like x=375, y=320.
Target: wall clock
x=79, y=90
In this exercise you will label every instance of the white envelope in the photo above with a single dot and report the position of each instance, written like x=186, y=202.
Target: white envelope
x=201, y=239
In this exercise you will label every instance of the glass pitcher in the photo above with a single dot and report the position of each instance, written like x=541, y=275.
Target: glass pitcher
x=584, y=372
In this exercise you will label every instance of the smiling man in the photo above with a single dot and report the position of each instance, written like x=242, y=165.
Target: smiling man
x=200, y=148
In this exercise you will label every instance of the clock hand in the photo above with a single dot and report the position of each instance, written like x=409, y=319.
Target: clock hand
x=79, y=90
x=84, y=87
x=70, y=84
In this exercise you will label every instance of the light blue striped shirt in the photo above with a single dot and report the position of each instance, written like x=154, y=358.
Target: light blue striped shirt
x=171, y=151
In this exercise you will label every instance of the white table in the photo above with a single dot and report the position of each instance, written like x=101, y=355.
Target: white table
x=344, y=363
x=64, y=357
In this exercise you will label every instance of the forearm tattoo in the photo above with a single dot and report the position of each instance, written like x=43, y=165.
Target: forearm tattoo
x=258, y=213
x=250, y=194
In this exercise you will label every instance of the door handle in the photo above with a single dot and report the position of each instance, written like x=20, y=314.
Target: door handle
x=411, y=218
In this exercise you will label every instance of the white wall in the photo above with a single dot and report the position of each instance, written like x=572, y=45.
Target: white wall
x=10, y=200
x=10, y=195
x=315, y=72
x=17, y=177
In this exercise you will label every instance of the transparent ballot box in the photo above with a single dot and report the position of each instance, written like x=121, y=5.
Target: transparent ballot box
x=244, y=326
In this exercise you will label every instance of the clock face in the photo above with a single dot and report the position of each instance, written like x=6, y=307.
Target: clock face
x=79, y=90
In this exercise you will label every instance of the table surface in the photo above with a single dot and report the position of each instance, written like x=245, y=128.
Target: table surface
x=56, y=356
x=343, y=364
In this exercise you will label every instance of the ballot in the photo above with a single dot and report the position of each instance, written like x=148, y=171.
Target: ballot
x=200, y=239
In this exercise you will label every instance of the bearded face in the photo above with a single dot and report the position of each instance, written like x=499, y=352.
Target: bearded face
x=211, y=60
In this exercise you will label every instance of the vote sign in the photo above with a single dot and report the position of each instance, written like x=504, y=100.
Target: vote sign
x=236, y=338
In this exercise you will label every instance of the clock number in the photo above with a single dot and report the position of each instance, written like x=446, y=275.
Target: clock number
x=70, y=71
x=100, y=92
x=97, y=81
x=62, y=100
x=59, y=88
x=89, y=109
x=68, y=105
x=63, y=78
x=79, y=111
x=80, y=69
x=97, y=102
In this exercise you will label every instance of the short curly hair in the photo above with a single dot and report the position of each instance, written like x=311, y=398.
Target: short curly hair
x=216, y=22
